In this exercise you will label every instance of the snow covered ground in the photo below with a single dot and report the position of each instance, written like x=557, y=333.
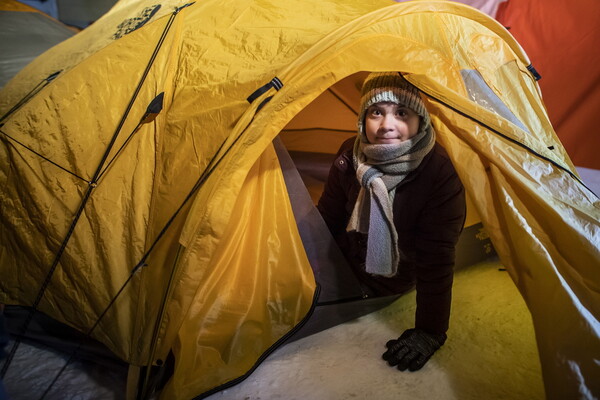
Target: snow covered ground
x=490, y=353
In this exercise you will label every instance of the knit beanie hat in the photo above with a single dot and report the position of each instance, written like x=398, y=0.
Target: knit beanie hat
x=389, y=87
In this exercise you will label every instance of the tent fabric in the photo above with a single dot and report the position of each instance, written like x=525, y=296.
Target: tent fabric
x=561, y=38
x=25, y=34
x=186, y=215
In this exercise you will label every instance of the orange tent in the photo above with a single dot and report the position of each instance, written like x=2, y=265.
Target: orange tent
x=561, y=39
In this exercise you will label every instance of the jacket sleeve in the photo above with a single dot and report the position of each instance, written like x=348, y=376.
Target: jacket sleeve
x=332, y=204
x=439, y=228
x=334, y=199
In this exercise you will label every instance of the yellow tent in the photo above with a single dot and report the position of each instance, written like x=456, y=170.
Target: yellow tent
x=143, y=201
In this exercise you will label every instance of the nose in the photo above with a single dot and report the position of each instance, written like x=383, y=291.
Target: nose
x=387, y=122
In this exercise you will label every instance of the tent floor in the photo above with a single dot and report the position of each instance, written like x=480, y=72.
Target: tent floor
x=490, y=353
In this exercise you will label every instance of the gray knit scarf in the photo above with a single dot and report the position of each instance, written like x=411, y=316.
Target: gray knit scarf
x=380, y=168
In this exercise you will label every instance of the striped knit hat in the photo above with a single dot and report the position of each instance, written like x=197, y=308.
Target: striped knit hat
x=390, y=87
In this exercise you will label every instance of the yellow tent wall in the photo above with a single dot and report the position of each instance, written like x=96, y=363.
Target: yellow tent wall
x=211, y=144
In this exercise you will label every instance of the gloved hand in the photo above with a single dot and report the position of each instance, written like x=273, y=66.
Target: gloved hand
x=413, y=349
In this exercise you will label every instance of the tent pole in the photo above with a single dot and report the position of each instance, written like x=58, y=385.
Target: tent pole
x=145, y=389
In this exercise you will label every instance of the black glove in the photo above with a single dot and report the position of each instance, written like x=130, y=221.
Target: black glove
x=413, y=349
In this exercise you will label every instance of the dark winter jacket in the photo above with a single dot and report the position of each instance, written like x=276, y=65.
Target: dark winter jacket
x=429, y=213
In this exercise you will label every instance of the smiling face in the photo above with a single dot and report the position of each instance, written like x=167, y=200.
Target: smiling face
x=390, y=123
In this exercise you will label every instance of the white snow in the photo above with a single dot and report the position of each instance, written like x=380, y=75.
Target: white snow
x=490, y=353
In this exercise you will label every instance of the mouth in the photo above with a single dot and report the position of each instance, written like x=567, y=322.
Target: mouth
x=385, y=140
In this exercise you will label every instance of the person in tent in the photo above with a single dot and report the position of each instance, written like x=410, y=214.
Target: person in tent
x=396, y=208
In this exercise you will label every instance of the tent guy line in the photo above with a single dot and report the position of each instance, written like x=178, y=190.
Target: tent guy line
x=44, y=157
x=37, y=88
x=149, y=116
x=154, y=108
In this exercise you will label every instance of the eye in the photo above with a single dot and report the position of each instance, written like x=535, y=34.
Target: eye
x=402, y=112
x=374, y=111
